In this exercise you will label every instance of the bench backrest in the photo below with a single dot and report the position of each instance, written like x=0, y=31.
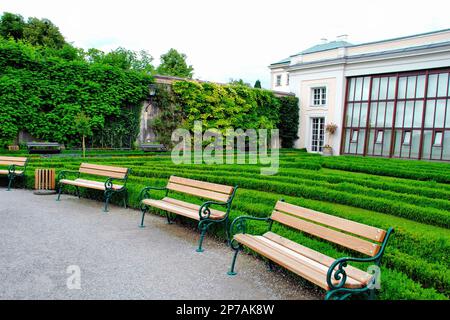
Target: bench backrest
x=18, y=161
x=347, y=233
x=105, y=171
x=213, y=191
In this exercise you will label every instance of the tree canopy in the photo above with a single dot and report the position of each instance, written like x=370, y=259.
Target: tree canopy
x=173, y=63
x=38, y=32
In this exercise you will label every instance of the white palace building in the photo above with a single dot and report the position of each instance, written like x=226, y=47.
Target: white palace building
x=388, y=98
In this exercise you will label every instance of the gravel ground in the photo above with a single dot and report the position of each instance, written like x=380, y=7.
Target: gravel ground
x=41, y=238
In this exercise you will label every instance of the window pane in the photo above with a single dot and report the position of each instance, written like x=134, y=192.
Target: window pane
x=351, y=88
x=432, y=85
x=380, y=116
x=365, y=95
x=375, y=85
x=389, y=114
x=379, y=137
x=391, y=89
x=415, y=144
x=427, y=136
x=440, y=114
x=411, y=88
x=356, y=111
x=399, y=114
x=383, y=88
x=420, y=86
x=407, y=137
x=363, y=115
x=358, y=89
x=348, y=121
x=447, y=117
x=437, y=138
x=401, y=88
x=442, y=84
x=418, y=113
x=446, y=146
x=429, y=113
x=387, y=142
x=373, y=113
x=409, y=111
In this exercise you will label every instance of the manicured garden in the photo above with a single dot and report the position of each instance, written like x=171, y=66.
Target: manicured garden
x=411, y=196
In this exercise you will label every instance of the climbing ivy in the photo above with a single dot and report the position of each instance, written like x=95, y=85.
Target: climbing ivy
x=41, y=92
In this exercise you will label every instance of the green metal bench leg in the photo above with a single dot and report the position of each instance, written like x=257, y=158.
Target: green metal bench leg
x=59, y=192
x=142, y=219
x=10, y=178
x=169, y=220
x=233, y=263
x=107, y=198
x=203, y=227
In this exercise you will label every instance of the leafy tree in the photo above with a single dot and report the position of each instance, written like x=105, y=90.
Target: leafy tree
x=43, y=32
x=83, y=127
x=239, y=82
x=122, y=58
x=289, y=121
x=257, y=84
x=11, y=25
x=174, y=64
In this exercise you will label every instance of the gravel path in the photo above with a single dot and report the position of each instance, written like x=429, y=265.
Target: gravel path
x=40, y=238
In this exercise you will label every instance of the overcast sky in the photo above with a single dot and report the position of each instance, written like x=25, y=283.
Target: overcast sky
x=226, y=39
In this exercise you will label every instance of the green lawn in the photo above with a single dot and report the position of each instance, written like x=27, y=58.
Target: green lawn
x=411, y=196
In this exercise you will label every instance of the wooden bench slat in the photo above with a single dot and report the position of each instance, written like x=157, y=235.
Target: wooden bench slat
x=178, y=209
x=214, y=212
x=337, y=237
x=17, y=159
x=325, y=260
x=8, y=163
x=104, y=168
x=304, y=268
x=88, y=184
x=6, y=171
x=356, y=228
x=110, y=174
x=198, y=192
x=202, y=185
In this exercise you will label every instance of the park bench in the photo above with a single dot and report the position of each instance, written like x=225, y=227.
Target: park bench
x=146, y=147
x=43, y=147
x=339, y=279
x=218, y=195
x=108, y=186
x=16, y=168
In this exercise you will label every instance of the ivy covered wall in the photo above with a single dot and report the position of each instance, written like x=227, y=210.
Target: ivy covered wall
x=223, y=106
x=42, y=90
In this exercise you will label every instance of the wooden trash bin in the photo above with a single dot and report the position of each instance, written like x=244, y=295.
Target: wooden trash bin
x=44, y=181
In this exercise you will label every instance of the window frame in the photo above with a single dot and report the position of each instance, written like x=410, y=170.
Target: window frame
x=323, y=91
x=278, y=80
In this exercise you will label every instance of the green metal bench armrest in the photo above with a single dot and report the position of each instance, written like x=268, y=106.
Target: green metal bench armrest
x=339, y=265
x=62, y=174
x=144, y=194
x=109, y=183
x=239, y=224
x=204, y=212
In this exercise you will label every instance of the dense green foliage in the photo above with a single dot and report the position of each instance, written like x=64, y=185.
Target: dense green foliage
x=174, y=64
x=38, y=32
x=257, y=84
x=289, y=118
x=418, y=255
x=42, y=92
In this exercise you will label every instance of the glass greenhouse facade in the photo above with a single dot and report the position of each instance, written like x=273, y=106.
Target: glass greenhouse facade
x=401, y=115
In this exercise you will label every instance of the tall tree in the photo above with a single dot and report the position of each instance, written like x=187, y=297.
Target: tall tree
x=43, y=32
x=173, y=63
x=11, y=25
x=257, y=84
x=83, y=127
